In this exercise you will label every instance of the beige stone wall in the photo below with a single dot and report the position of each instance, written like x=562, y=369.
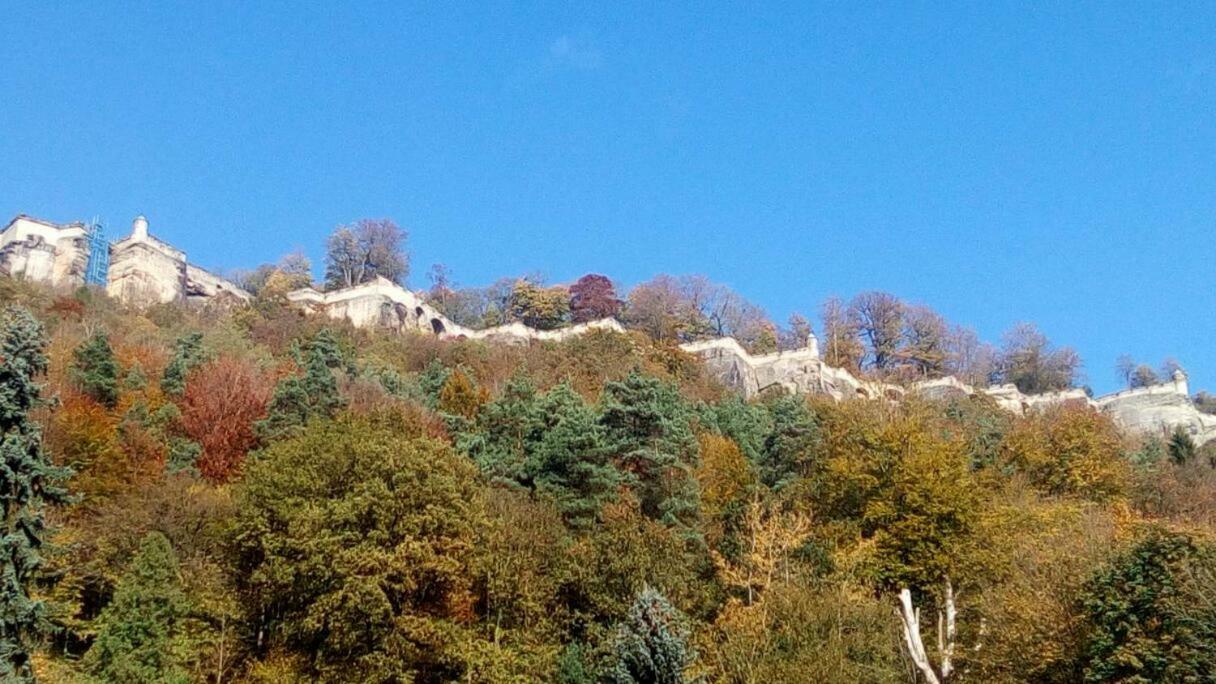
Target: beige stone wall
x=44, y=251
x=144, y=272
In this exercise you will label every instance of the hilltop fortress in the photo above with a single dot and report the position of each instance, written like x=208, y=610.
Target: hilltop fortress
x=141, y=269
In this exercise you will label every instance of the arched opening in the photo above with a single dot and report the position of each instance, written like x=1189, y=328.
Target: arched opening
x=437, y=326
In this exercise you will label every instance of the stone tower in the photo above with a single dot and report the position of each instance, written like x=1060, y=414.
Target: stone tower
x=144, y=270
x=1180, y=382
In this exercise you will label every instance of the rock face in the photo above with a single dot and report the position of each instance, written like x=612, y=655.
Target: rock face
x=43, y=251
x=379, y=303
x=384, y=304
x=799, y=371
x=1159, y=409
x=145, y=270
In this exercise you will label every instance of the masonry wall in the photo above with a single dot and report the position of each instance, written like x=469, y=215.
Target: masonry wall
x=44, y=252
x=146, y=272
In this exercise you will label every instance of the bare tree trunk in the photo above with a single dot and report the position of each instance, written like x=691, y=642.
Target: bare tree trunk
x=910, y=619
x=947, y=634
x=947, y=645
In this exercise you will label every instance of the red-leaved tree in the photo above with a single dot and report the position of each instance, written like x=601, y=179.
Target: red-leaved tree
x=223, y=399
x=593, y=297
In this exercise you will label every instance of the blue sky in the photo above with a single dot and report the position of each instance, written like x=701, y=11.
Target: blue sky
x=1000, y=162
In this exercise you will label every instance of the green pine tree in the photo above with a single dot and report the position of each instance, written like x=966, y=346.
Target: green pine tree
x=651, y=645
x=570, y=462
x=505, y=433
x=648, y=428
x=95, y=371
x=28, y=481
x=1181, y=447
x=572, y=667
x=324, y=345
x=431, y=380
x=298, y=398
x=140, y=634
x=790, y=447
x=187, y=353
x=747, y=424
x=320, y=363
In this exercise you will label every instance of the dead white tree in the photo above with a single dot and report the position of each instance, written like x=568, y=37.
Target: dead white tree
x=947, y=634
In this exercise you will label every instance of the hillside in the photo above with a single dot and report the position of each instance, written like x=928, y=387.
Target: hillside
x=260, y=494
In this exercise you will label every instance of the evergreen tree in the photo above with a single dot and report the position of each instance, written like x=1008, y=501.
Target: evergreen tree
x=505, y=433
x=324, y=345
x=747, y=424
x=1136, y=632
x=791, y=444
x=1181, y=447
x=140, y=635
x=572, y=667
x=651, y=645
x=431, y=381
x=648, y=427
x=95, y=371
x=297, y=398
x=321, y=361
x=187, y=353
x=570, y=463
x=28, y=481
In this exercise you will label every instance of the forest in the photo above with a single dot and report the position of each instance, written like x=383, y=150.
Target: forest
x=251, y=494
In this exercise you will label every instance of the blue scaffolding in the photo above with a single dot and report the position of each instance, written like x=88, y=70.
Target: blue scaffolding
x=99, y=255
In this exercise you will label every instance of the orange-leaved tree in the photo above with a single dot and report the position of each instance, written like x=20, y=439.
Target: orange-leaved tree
x=223, y=399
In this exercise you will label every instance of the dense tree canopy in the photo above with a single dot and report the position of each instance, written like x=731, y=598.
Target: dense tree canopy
x=266, y=496
x=370, y=607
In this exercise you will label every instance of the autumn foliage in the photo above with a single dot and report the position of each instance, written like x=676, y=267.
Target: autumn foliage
x=222, y=401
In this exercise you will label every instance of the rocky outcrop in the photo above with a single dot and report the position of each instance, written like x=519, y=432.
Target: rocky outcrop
x=146, y=270
x=1159, y=409
x=383, y=304
x=799, y=371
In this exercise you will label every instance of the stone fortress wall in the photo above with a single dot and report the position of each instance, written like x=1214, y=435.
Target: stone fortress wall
x=142, y=268
x=1158, y=409
x=145, y=270
x=44, y=251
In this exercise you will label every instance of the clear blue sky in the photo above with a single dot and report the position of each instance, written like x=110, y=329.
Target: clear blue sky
x=1048, y=162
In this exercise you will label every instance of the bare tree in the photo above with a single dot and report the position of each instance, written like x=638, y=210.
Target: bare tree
x=659, y=308
x=947, y=635
x=969, y=359
x=296, y=267
x=798, y=335
x=842, y=347
x=1125, y=368
x=1168, y=367
x=925, y=341
x=1030, y=361
x=879, y=317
